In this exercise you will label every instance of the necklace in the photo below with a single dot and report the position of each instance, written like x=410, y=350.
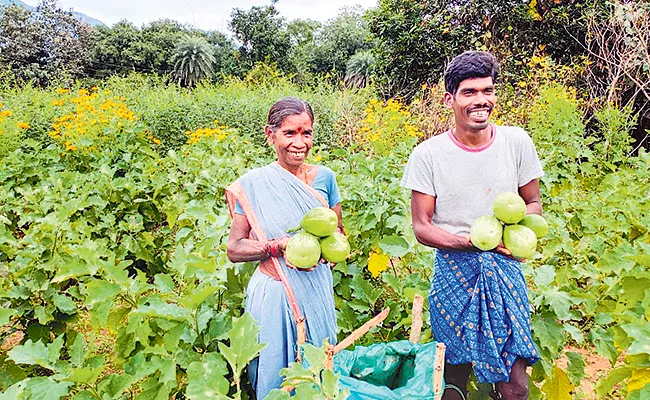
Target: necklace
x=304, y=169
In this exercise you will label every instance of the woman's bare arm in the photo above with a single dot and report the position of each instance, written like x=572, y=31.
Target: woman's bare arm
x=240, y=248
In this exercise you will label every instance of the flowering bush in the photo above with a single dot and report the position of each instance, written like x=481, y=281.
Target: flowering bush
x=518, y=103
x=11, y=131
x=431, y=114
x=91, y=120
x=217, y=131
x=385, y=126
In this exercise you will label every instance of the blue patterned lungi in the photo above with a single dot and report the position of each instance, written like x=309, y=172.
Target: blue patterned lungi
x=480, y=310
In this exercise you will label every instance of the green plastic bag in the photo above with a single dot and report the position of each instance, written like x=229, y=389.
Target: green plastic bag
x=387, y=371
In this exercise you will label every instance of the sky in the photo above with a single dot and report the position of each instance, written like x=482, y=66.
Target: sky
x=203, y=14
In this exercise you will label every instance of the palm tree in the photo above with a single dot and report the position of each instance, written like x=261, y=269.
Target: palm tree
x=358, y=69
x=193, y=61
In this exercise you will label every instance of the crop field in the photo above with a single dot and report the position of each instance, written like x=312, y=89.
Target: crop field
x=114, y=280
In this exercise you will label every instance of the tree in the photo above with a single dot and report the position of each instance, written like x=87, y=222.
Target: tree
x=416, y=39
x=193, y=61
x=620, y=47
x=302, y=33
x=359, y=69
x=121, y=49
x=339, y=39
x=262, y=34
x=44, y=45
x=224, y=53
x=162, y=36
x=124, y=48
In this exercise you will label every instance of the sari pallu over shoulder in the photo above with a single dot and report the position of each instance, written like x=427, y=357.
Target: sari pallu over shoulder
x=273, y=201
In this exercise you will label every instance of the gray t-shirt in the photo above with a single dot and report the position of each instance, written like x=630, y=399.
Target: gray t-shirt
x=465, y=180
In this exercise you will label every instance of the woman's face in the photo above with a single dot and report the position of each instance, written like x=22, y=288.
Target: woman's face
x=292, y=140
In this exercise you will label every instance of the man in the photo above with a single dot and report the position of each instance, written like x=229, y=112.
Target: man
x=478, y=300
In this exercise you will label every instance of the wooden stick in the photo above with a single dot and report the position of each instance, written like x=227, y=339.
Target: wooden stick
x=362, y=330
x=416, y=319
x=438, y=370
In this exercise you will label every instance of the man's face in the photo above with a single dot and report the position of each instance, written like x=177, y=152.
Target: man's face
x=473, y=103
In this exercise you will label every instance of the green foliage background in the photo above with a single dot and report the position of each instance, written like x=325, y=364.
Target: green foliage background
x=114, y=281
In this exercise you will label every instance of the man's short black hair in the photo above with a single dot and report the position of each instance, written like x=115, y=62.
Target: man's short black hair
x=470, y=64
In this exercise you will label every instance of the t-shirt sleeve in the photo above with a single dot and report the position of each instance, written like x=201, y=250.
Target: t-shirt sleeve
x=529, y=166
x=418, y=174
x=333, y=194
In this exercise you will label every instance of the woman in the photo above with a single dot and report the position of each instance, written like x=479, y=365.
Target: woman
x=285, y=301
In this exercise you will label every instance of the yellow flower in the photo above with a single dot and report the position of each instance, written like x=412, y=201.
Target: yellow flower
x=69, y=146
x=378, y=262
x=23, y=125
x=62, y=90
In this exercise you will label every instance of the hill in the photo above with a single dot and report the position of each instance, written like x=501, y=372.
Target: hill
x=80, y=16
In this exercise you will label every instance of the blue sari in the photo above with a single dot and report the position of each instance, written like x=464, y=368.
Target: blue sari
x=479, y=308
x=273, y=201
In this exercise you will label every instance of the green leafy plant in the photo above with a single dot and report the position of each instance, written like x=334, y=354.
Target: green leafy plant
x=310, y=379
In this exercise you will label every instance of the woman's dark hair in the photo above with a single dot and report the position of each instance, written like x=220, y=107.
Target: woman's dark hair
x=470, y=64
x=286, y=107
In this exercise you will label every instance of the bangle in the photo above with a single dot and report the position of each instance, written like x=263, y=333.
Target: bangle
x=272, y=249
x=276, y=250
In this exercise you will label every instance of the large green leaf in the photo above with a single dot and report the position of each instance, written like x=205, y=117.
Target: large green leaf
x=558, y=387
x=330, y=384
x=547, y=332
x=76, y=351
x=6, y=314
x=576, y=367
x=206, y=378
x=277, y=394
x=32, y=353
x=560, y=303
x=98, y=291
x=47, y=389
x=604, y=342
x=244, y=346
x=72, y=268
x=64, y=303
x=365, y=291
x=544, y=275
x=615, y=377
x=85, y=375
x=640, y=336
x=157, y=308
x=396, y=246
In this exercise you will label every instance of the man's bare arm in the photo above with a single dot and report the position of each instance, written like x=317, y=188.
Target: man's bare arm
x=530, y=193
x=422, y=208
